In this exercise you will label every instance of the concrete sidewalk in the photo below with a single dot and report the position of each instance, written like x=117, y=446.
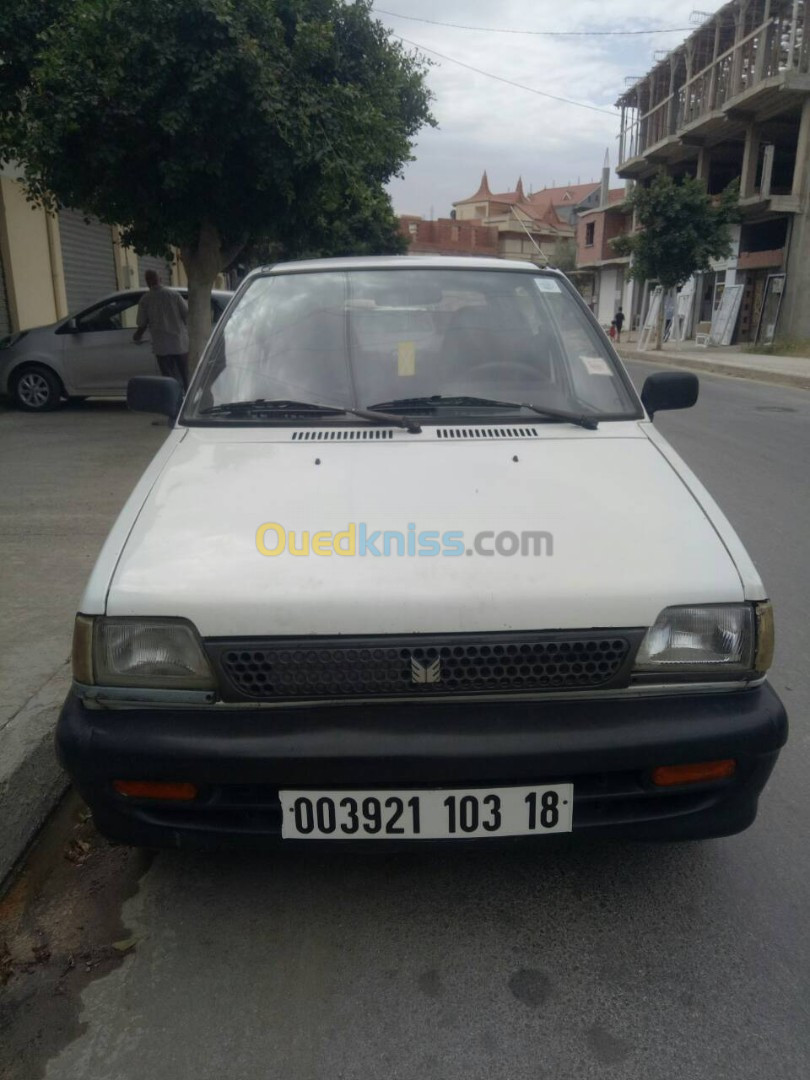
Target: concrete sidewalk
x=782, y=370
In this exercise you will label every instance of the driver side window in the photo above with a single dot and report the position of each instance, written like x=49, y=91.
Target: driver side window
x=120, y=314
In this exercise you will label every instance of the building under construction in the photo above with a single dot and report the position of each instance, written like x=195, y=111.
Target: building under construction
x=733, y=101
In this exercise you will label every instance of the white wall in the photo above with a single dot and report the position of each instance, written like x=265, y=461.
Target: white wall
x=608, y=295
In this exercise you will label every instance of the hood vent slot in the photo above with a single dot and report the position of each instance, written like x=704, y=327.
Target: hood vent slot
x=342, y=435
x=487, y=433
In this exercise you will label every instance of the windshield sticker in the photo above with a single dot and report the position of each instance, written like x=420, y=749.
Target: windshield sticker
x=406, y=358
x=595, y=365
x=547, y=284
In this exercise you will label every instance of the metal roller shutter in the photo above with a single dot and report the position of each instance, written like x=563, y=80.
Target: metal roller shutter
x=87, y=258
x=5, y=320
x=152, y=262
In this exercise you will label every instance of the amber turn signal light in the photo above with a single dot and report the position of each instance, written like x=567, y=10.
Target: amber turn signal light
x=670, y=775
x=150, y=789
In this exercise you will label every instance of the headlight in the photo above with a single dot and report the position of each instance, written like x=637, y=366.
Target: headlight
x=156, y=653
x=732, y=639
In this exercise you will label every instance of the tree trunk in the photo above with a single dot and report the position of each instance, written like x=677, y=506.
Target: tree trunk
x=659, y=330
x=203, y=261
x=199, y=315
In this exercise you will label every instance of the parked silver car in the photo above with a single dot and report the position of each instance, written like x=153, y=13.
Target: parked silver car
x=90, y=354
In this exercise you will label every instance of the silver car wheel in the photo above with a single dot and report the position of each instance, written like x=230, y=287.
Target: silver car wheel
x=33, y=390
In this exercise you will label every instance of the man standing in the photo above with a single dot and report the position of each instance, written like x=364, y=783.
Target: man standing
x=165, y=314
x=619, y=321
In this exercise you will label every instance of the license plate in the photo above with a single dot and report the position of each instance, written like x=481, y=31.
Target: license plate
x=443, y=814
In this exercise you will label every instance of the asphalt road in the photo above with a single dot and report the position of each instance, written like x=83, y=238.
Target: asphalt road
x=64, y=477
x=573, y=961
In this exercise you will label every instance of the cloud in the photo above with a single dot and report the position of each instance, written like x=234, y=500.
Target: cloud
x=484, y=124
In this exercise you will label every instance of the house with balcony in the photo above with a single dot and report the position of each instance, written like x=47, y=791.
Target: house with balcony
x=733, y=101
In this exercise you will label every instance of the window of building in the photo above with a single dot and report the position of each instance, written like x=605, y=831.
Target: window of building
x=413, y=228
x=590, y=229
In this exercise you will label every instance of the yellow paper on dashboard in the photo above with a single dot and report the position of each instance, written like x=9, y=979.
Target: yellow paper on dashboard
x=406, y=358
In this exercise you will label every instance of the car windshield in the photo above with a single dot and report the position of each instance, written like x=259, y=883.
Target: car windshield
x=429, y=342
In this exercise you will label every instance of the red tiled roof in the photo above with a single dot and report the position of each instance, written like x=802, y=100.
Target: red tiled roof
x=482, y=193
x=546, y=200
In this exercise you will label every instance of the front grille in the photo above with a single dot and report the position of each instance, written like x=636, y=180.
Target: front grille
x=318, y=668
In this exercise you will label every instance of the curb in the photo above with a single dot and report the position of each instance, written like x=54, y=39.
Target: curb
x=31, y=779
x=710, y=367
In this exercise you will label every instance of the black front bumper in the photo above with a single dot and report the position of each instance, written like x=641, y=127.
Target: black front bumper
x=240, y=757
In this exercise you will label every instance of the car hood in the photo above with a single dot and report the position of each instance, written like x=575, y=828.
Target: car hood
x=625, y=535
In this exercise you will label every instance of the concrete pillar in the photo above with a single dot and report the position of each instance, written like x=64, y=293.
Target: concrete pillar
x=767, y=171
x=762, y=44
x=26, y=253
x=801, y=169
x=794, y=318
x=739, y=34
x=672, y=110
x=748, y=173
x=704, y=164
x=57, y=266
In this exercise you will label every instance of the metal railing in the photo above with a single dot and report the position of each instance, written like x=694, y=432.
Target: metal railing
x=778, y=45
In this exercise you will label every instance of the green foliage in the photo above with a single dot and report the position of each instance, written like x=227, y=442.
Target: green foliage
x=681, y=229
x=356, y=222
x=565, y=254
x=231, y=119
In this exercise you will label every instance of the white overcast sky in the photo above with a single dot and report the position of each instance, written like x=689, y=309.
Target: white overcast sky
x=509, y=132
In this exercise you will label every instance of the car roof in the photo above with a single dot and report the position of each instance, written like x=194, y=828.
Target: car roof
x=220, y=294
x=405, y=262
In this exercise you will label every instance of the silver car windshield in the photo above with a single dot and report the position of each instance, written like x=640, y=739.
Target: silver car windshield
x=382, y=338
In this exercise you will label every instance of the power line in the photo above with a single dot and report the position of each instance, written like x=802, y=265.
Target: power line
x=499, y=78
x=539, y=33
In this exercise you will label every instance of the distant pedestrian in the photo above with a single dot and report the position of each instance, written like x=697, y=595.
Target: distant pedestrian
x=164, y=313
x=618, y=319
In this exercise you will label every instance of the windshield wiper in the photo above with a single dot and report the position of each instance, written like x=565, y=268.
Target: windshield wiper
x=309, y=408
x=438, y=400
x=265, y=405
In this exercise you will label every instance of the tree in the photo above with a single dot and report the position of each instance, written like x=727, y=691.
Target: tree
x=206, y=124
x=565, y=254
x=356, y=222
x=681, y=229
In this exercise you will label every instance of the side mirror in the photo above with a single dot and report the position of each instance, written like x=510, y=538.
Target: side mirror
x=155, y=394
x=669, y=390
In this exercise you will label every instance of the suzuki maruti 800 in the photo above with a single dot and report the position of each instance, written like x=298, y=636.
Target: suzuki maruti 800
x=415, y=565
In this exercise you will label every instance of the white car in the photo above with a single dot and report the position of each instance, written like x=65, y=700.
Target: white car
x=415, y=565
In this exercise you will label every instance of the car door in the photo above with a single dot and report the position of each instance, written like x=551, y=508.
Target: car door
x=100, y=356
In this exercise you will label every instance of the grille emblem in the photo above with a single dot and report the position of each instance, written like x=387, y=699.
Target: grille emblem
x=428, y=672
